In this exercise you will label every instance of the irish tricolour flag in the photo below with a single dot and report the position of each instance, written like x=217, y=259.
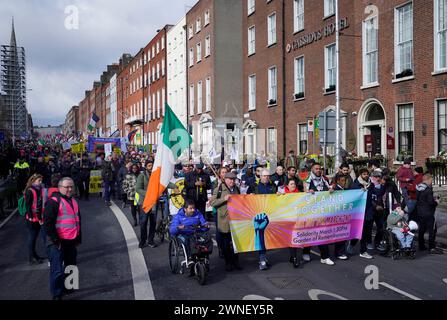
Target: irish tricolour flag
x=174, y=139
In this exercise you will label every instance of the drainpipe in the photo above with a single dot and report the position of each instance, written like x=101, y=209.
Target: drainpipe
x=284, y=79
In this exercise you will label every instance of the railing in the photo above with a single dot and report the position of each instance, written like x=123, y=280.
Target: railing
x=438, y=169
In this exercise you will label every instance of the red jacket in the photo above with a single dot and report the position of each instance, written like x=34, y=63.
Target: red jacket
x=286, y=189
x=403, y=174
x=412, y=186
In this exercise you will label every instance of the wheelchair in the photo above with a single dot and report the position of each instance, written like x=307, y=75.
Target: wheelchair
x=162, y=230
x=198, y=264
x=394, y=248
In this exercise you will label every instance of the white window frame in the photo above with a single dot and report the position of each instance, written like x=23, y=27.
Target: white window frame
x=251, y=6
x=163, y=100
x=327, y=71
x=272, y=85
x=299, y=138
x=198, y=25
x=162, y=67
x=199, y=97
x=398, y=106
x=199, y=52
x=191, y=57
x=191, y=100
x=158, y=104
x=208, y=94
x=437, y=38
x=298, y=15
x=299, y=77
x=190, y=31
x=207, y=46
x=397, y=60
x=163, y=43
x=438, y=128
x=207, y=18
x=272, y=133
x=370, y=22
x=271, y=30
x=252, y=92
x=329, y=8
x=251, y=40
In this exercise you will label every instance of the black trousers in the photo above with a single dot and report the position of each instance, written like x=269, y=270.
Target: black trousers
x=366, y=236
x=144, y=218
x=84, y=189
x=324, y=251
x=296, y=253
x=226, y=247
x=427, y=224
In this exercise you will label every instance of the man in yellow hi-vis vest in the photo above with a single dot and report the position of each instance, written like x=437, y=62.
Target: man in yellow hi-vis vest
x=22, y=172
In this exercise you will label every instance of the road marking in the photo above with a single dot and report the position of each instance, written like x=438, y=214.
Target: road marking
x=8, y=218
x=142, y=285
x=314, y=294
x=408, y=295
x=445, y=280
x=215, y=243
x=258, y=297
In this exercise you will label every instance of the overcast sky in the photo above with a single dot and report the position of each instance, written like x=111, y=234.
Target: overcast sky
x=62, y=63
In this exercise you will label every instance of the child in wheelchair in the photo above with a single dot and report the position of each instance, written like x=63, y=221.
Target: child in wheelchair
x=187, y=224
x=401, y=228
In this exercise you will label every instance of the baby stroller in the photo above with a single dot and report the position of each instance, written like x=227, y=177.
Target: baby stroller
x=198, y=262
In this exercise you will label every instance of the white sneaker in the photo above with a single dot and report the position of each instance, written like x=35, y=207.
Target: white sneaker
x=366, y=255
x=343, y=257
x=327, y=261
x=49, y=264
x=370, y=246
x=306, y=257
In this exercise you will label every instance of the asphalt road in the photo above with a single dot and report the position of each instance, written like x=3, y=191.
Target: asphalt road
x=107, y=272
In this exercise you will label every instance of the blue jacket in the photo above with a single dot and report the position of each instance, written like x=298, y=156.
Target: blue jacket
x=181, y=219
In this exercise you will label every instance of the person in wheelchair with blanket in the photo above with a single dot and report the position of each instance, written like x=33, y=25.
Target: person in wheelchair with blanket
x=185, y=224
x=399, y=225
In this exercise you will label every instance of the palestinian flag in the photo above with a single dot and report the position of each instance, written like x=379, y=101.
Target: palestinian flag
x=93, y=122
x=131, y=135
x=174, y=139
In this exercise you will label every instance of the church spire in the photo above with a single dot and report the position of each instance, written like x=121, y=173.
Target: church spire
x=13, y=42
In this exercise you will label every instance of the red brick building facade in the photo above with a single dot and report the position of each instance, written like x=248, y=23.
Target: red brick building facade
x=392, y=74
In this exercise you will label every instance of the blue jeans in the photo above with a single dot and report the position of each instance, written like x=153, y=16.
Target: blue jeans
x=262, y=255
x=107, y=190
x=404, y=238
x=59, y=259
x=411, y=205
x=186, y=240
x=164, y=207
x=33, y=233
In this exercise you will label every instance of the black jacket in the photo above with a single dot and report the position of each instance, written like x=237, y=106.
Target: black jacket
x=392, y=189
x=81, y=172
x=192, y=191
x=50, y=216
x=426, y=204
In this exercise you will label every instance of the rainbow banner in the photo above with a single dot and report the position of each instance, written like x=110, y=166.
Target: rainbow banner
x=263, y=222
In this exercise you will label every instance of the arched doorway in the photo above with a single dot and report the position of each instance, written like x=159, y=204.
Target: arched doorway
x=372, y=129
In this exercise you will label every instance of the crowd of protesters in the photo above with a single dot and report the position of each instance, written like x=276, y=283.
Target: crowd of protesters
x=51, y=178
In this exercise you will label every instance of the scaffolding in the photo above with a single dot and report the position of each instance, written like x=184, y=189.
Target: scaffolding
x=13, y=85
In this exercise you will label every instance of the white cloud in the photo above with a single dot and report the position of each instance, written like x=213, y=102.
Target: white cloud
x=61, y=63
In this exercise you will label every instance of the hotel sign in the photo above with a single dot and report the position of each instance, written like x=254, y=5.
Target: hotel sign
x=310, y=38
